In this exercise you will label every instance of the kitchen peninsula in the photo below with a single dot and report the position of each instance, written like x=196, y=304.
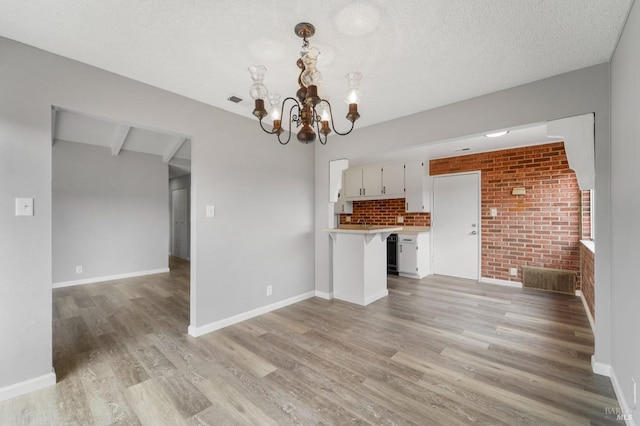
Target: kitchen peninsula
x=359, y=262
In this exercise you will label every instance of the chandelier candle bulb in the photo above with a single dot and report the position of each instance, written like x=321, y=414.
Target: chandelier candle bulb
x=309, y=110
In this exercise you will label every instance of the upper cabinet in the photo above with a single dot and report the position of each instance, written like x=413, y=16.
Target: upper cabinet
x=416, y=187
x=352, y=183
x=393, y=179
x=372, y=181
x=407, y=180
x=363, y=182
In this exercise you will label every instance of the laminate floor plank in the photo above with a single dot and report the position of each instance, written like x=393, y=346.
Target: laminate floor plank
x=436, y=351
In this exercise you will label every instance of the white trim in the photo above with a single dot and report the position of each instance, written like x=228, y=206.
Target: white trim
x=27, y=386
x=621, y=399
x=590, y=244
x=199, y=331
x=324, y=295
x=592, y=321
x=375, y=297
x=600, y=368
x=496, y=281
x=606, y=370
x=109, y=278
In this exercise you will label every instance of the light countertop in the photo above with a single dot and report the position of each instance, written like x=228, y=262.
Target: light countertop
x=360, y=229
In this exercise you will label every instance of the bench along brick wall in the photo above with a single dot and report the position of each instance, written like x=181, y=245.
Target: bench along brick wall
x=541, y=228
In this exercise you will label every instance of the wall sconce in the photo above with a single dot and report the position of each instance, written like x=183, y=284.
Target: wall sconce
x=519, y=190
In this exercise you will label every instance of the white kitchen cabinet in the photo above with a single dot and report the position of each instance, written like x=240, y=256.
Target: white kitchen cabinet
x=372, y=181
x=363, y=183
x=393, y=179
x=416, y=187
x=352, y=183
x=342, y=205
x=413, y=255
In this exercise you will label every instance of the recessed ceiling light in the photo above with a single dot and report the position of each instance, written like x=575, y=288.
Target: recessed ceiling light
x=496, y=134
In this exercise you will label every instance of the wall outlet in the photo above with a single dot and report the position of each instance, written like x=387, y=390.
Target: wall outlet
x=494, y=212
x=348, y=219
x=24, y=206
x=78, y=269
x=513, y=271
x=400, y=219
x=269, y=290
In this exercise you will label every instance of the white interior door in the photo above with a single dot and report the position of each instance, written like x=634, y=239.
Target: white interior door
x=455, y=225
x=180, y=223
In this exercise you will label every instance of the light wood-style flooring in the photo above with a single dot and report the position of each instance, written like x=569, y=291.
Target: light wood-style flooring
x=438, y=351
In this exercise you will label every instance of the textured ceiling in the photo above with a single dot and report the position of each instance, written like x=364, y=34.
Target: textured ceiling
x=414, y=54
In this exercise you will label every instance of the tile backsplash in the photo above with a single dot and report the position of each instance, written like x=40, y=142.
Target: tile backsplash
x=385, y=212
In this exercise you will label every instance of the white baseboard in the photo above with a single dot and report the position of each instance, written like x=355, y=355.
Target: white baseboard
x=501, y=282
x=27, y=386
x=109, y=278
x=599, y=367
x=375, y=297
x=199, y=331
x=592, y=322
x=323, y=295
x=625, y=411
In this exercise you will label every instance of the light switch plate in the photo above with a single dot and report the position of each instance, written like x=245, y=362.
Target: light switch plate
x=24, y=206
x=494, y=212
x=210, y=211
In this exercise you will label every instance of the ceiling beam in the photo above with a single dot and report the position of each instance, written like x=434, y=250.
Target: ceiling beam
x=173, y=148
x=120, y=137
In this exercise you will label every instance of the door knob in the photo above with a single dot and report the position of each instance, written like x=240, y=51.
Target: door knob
x=473, y=232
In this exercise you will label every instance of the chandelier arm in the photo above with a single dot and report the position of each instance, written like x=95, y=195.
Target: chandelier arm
x=290, y=119
x=332, y=121
x=323, y=142
x=317, y=120
x=270, y=132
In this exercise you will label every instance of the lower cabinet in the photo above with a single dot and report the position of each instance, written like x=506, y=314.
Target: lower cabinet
x=413, y=255
x=342, y=205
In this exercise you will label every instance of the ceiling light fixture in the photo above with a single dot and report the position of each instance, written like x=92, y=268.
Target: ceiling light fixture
x=309, y=109
x=496, y=134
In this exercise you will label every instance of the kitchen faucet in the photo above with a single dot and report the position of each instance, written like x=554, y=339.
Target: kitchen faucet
x=364, y=222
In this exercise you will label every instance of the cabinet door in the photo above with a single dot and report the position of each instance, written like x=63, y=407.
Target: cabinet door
x=415, y=181
x=342, y=205
x=407, y=258
x=393, y=179
x=352, y=183
x=372, y=181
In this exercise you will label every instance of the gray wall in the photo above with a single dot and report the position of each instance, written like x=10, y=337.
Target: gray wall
x=263, y=192
x=180, y=182
x=625, y=206
x=109, y=212
x=579, y=92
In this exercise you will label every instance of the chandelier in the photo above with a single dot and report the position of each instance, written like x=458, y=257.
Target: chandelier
x=308, y=110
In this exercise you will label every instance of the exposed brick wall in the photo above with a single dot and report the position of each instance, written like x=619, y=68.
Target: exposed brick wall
x=587, y=272
x=385, y=212
x=541, y=228
x=586, y=214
